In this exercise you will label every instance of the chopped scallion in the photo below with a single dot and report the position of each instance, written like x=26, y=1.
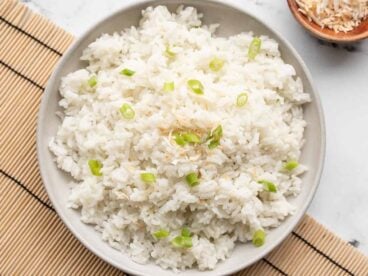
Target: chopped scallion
x=127, y=72
x=95, y=167
x=92, y=81
x=192, y=179
x=259, y=238
x=207, y=137
x=242, y=99
x=161, y=234
x=169, y=86
x=254, y=48
x=216, y=64
x=127, y=111
x=179, y=139
x=217, y=133
x=185, y=232
x=196, y=86
x=169, y=53
x=213, y=144
x=268, y=186
x=148, y=177
x=191, y=137
x=215, y=137
x=182, y=242
x=186, y=137
x=291, y=165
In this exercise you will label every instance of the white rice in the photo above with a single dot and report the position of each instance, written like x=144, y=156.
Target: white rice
x=228, y=205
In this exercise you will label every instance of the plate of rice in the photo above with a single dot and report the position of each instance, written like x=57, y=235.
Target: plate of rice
x=181, y=137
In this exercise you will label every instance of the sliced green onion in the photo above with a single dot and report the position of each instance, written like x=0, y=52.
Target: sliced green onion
x=187, y=137
x=127, y=111
x=191, y=137
x=213, y=144
x=169, y=53
x=192, y=179
x=215, y=137
x=259, y=238
x=169, y=86
x=196, y=86
x=95, y=167
x=216, y=64
x=217, y=133
x=242, y=99
x=182, y=242
x=179, y=139
x=148, y=177
x=127, y=72
x=254, y=48
x=291, y=165
x=161, y=234
x=92, y=81
x=268, y=185
x=207, y=137
x=185, y=232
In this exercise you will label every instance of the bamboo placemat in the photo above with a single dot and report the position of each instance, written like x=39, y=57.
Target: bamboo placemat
x=33, y=240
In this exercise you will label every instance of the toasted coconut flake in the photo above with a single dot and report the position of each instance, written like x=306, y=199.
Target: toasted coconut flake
x=338, y=15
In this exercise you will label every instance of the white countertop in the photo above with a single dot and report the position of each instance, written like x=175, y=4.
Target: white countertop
x=341, y=76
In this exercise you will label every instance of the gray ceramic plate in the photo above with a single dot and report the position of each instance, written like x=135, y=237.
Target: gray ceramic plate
x=233, y=20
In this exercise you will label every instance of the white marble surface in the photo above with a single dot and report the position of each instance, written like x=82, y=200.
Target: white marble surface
x=341, y=75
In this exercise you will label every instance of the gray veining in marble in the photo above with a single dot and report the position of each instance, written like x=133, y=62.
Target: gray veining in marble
x=341, y=76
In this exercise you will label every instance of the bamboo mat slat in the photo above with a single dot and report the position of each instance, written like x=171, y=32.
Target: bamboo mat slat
x=33, y=240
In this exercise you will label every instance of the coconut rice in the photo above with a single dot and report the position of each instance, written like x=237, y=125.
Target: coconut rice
x=229, y=204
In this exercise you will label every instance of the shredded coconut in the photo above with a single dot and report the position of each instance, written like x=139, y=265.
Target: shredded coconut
x=338, y=15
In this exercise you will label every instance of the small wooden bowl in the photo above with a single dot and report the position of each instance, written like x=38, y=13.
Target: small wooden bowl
x=359, y=33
